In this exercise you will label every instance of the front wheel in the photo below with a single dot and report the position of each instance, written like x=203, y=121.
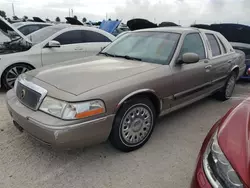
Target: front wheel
x=228, y=89
x=133, y=125
x=11, y=73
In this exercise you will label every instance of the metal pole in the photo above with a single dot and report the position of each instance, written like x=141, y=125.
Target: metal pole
x=13, y=10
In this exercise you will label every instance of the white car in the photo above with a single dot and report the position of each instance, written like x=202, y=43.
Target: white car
x=27, y=28
x=55, y=44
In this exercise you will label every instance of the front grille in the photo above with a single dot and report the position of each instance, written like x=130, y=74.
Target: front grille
x=27, y=96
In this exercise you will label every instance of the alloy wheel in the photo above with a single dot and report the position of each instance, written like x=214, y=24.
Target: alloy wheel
x=13, y=73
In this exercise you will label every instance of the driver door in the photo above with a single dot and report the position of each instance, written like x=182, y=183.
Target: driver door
x=189, y=79
x=71, y=48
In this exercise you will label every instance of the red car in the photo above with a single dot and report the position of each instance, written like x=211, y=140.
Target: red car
x=224, y=158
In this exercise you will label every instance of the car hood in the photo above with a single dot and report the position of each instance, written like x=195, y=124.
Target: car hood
x=109, y=26
x=10, y=31
x=82, y=75
x=138, y=23
x=73, y=21
x=234, y=139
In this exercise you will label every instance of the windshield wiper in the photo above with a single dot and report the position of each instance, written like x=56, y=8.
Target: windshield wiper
x=107, y=54
x=121, y=56
x=129, y=57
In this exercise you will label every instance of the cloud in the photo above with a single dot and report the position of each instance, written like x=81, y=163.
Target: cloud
x=184, y=11
x=187, y=11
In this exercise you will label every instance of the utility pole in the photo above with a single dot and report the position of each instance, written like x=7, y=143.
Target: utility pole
x=69, y=12
x=13, y=10
x=72, y=12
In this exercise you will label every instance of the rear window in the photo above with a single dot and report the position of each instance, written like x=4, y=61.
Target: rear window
x=92, y=36
x=214, y=45
x=224, y=50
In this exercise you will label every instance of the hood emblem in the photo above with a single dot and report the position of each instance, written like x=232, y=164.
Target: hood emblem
x=23, y=92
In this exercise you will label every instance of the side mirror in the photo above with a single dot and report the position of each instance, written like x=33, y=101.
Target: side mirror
x=189, y=58
x=53, y=44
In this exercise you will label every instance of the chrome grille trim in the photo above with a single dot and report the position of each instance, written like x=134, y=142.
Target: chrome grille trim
x=34, y=87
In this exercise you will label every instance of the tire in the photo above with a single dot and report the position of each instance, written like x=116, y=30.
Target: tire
x=12, y=72
x=133, y=124
x=228, y=89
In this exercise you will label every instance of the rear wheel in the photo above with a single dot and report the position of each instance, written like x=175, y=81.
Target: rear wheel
x=11, y=73
x=133, y=124
x=228, y=89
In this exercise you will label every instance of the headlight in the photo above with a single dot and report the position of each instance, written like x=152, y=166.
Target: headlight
x=218, y=169
x=70, y=111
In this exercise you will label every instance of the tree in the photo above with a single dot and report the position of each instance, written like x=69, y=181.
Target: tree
x=84, y=20
x=2, y=13
x=58, y=19
x=25, y=17
x=15, y=18
x=75, y=17
x=47, y=20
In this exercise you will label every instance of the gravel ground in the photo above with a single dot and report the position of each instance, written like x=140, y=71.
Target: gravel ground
x=167, y=160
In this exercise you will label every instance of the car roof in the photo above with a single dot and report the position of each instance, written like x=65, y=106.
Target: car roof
x=175, y=29
x=32, y=23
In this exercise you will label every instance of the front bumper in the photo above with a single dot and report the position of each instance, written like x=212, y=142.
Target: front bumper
x=57, y=132
x=199, y=178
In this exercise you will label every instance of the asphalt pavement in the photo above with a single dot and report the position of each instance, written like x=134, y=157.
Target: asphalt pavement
x=166, y=161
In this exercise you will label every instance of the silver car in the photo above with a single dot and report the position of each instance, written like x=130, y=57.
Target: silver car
x=119, y=93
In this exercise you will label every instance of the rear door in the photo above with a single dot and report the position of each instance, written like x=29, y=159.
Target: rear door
x=71, y=48
x=93, y=42
x=220, y=61
x=189, y=79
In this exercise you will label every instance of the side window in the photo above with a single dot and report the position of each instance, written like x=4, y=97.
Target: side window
x=214, y=45
x=92, y=36
x=42, y=26
x=194, y=44
x=224, y=50
x=29, y=29
x=70, y=37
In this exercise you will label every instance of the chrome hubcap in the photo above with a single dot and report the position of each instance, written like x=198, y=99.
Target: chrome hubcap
x=136, y=125
x=230, y=86
x=13, y=73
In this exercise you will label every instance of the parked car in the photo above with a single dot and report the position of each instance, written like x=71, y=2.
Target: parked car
x=223, y=160
x=119, y=93
x=27, y=28
x=237, y=35
x=46, y=46
x=246, y=49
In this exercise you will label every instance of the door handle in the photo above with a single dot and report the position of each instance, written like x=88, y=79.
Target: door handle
x=208, y=67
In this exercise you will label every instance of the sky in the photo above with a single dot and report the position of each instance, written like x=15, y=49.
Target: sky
x=184, y=12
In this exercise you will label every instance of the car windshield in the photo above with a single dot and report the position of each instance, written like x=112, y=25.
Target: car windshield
x=153, y=47
x=44, y=33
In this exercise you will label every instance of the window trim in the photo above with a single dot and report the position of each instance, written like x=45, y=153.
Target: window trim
x=222, y=46
x=203, y=42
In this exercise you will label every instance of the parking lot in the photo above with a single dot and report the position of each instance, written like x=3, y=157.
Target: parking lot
x=167, y=160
